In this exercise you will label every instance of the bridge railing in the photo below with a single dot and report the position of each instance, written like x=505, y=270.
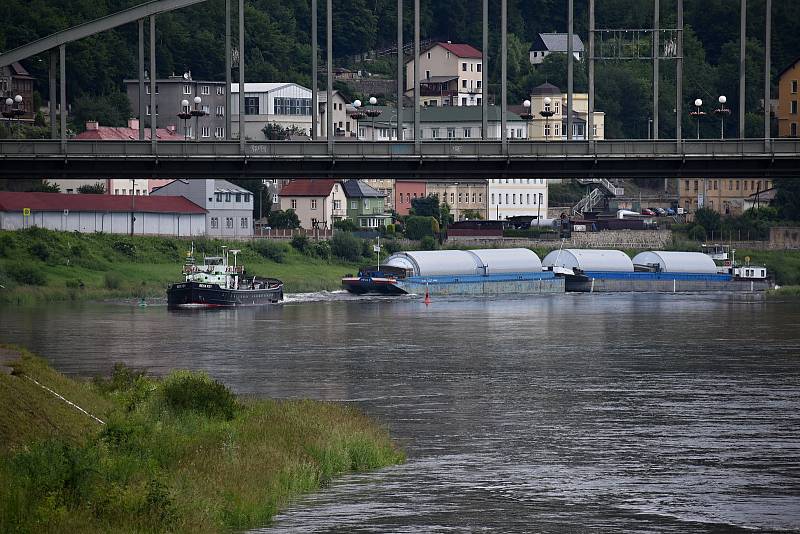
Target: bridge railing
x=454, y=148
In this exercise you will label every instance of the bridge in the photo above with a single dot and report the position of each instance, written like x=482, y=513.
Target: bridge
x=446, y=159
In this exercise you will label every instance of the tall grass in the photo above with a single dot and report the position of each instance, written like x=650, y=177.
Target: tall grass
x=179, y=454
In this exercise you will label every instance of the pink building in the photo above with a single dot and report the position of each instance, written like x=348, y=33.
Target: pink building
x=405, y=191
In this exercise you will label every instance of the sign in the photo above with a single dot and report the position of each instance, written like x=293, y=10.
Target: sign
x=66, y=212
x=376, y=248
x=26, y=212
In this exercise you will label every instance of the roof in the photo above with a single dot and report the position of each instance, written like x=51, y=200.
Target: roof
x=546, y=89
x=678, y=262
x=590, y=260
x=556, y=42
x=462, y=50
x=431, y=114
x=438, y=79
x=357, y=189
x=264, y=87
x=466, y=262
x=789, y=67
x=14, y=202
x=308, y=188
x=224, y=186
x=766, y=195
x=123, y=133
x=19, y=71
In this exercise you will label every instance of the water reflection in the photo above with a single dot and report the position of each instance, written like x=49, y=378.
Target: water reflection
x=671, y=413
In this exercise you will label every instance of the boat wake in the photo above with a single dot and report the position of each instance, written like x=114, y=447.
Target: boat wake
x=336, y=296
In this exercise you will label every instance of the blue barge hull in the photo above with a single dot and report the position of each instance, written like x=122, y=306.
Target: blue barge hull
x=603, y=282
x=496, y=284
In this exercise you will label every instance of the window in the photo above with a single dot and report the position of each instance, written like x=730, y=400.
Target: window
x=464, y=67
x=205, y=90
x=313, y=203
x=547, y=130
x=220, y=90
x=506, y=198
x=794, y=87
x=219, y=196
x=451, y=133
x=189, y=132
x=463, y=84
x=594, y=130
x=435, y=133
x=794, y=107
x=452, y=198
x=247, y=197
x=467, y=133
x=205, y=131
x=227, y=197
x=558, y=129
x=337, y=204
x=528, y=198
x=214, y=222
x=353, y=204
x=427, y=75
x=219, y=132
x=492, y=198
x=220, y=111
x=541, y=198
x=514, y=198
x=429, y=55
x=730, y=185
x=297, y=106
x=695, y=185
x=464, y=101
x=479, y=84
x=238, y=197
x=479, y=69
x=244, y=222
x=480, y=198
x=793, y=130
x=556, y=104
x=366, y=203
x=294, y=204
x=737, y=185
x=251, y=105
x=187, y=89
x=228, y=222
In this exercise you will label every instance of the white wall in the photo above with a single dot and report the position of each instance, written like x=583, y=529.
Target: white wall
x=112, y=223
x=509, y=197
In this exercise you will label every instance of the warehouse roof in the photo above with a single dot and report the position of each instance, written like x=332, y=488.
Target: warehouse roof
x=590, y=260
x=677, y=262
x=466, y=262
x=16, y=202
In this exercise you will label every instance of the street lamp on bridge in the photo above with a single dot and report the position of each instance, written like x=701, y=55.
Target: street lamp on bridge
x=547, y=113
x=372, y=113
x=13, y=110
x=527, y=116
x=197, y=112
x=722, y=112
x=698, y=113
x=185, y=114
x=357, y=115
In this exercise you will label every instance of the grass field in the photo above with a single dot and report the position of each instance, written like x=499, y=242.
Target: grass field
x=180, y=454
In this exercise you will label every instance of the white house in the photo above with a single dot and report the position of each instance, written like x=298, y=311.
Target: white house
x=285, y=104
x=509, y=197
x=547, y=43
x=450, y=75
x=228, y=207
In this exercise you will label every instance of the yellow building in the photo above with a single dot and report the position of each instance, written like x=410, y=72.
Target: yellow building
x=724, y=195
x=462, y=196
x=788, y=118
x=555, y=127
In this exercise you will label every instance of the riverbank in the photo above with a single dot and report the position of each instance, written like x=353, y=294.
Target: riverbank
x=178, y=454
x=39, y=265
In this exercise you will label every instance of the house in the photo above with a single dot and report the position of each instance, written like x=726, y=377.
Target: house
x=228, y=207
x=317, y=203
x=405, y=191
x=545, y=44
x=113, y=186
x=170, y=92
x=365, y=205
x=95, y=132
x=15, y=80
x=511, y=197
x=385, y=186
x=555, y=127
x=113, y=214
x=461, y=195
x=283, y=103
x=450, y=75
x=788, y=118
x=726, y=196
x=343, y=124
x=442, y=123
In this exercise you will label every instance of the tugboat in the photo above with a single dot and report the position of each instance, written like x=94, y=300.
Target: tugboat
x=216, y=284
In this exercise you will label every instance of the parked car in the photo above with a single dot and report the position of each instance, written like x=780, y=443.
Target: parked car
x=670, y=211
x=648, y=212
x=660, y=211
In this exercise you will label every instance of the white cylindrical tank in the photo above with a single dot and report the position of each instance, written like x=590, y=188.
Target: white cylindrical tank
x=589, y=260
x=436, y=262
x=508, y=260
x=677, y=262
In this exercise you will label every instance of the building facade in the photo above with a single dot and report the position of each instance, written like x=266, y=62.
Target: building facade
x=466, y=198
x=386, y=187
x=170, y=92
x=548, y=43
x=788, y=118
x=167, y=215
x=555, y=127
x=405, y=191
x=725, y=196
x=317, y=203
x=365, y=205
x=228, y=207
x=514, y=197
x=450, y=75
x=113, y=186
x=286, y=104
x=15, y=80
x=343, y=124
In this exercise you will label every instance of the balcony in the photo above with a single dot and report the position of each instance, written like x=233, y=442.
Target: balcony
x=339, y=213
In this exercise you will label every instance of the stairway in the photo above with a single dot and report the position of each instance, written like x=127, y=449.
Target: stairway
x=606, y=188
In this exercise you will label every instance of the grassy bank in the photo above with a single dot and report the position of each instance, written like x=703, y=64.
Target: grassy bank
x=179, y=454
x=784, y=291
x=40, y=265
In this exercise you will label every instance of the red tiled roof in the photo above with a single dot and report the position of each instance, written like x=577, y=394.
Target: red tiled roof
x=308, y=188
x=462, y=50
x=123, y=133
x=14, y=202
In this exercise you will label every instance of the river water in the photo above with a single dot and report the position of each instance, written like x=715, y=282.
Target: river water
x=561, y=413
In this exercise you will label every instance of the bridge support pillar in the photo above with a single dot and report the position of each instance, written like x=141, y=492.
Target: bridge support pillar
x=484, y=75
x=153, y=78
x=679, y=80
x=656, y=71
x=329, y=50
x=570, y=65
x=504, y=75
x=242, y=120
x=52, y=76
x=590, y=116
x=767, y=75
x=141, y=111
x=400, y=73
x=314, y=74
x=742, y=49
x=62, y=76
x=417, y=130
x=228, y=79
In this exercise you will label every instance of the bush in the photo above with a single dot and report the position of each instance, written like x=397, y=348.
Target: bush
x=321, y=249
x=697, y=233
x=123, y=247
x=188, y=391
x=428, y=243
x=300, y=243
x=26, y=274
x=6, y=244
x=41, y=250
x=418, y=227
x=391, y=246
x=346, y=225
x=271, y=250
x=112, y=280
x=389, y=229
x=346, y=246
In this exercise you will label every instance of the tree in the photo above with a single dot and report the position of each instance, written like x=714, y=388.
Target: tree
x=426, y=207
x=283, y=219
x=472, y=215
x=709, y=219
x=92, y=189
x=262, y=200
x=275, y=132
x=787, y=198
x=113, y=109
x=346, y=225
x=418, y=227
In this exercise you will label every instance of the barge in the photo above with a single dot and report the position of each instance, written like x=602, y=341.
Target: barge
x=216, y=284
x=592, y=271
x=457, y=272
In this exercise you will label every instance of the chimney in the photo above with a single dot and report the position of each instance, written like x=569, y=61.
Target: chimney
x=133, y=124
x=92, y=125
x=172, y=128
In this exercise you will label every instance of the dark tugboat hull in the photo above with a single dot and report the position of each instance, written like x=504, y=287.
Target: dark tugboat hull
x=370, y=285
x=199, y=295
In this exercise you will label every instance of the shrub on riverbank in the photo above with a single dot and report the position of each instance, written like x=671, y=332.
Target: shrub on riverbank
x=179, y=454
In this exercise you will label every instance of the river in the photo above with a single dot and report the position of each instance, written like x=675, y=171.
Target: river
x=562, y=413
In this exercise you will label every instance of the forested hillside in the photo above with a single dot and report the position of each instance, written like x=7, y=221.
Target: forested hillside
x=278, y=45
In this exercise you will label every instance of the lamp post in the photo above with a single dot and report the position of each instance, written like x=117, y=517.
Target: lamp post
x=185, y=114
x=372, y=113
x=527, y=116
x=357, y=115
x=13, y=110
x=547, y=113
x=722, y=112
x=697, y=114
x=197, y=112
